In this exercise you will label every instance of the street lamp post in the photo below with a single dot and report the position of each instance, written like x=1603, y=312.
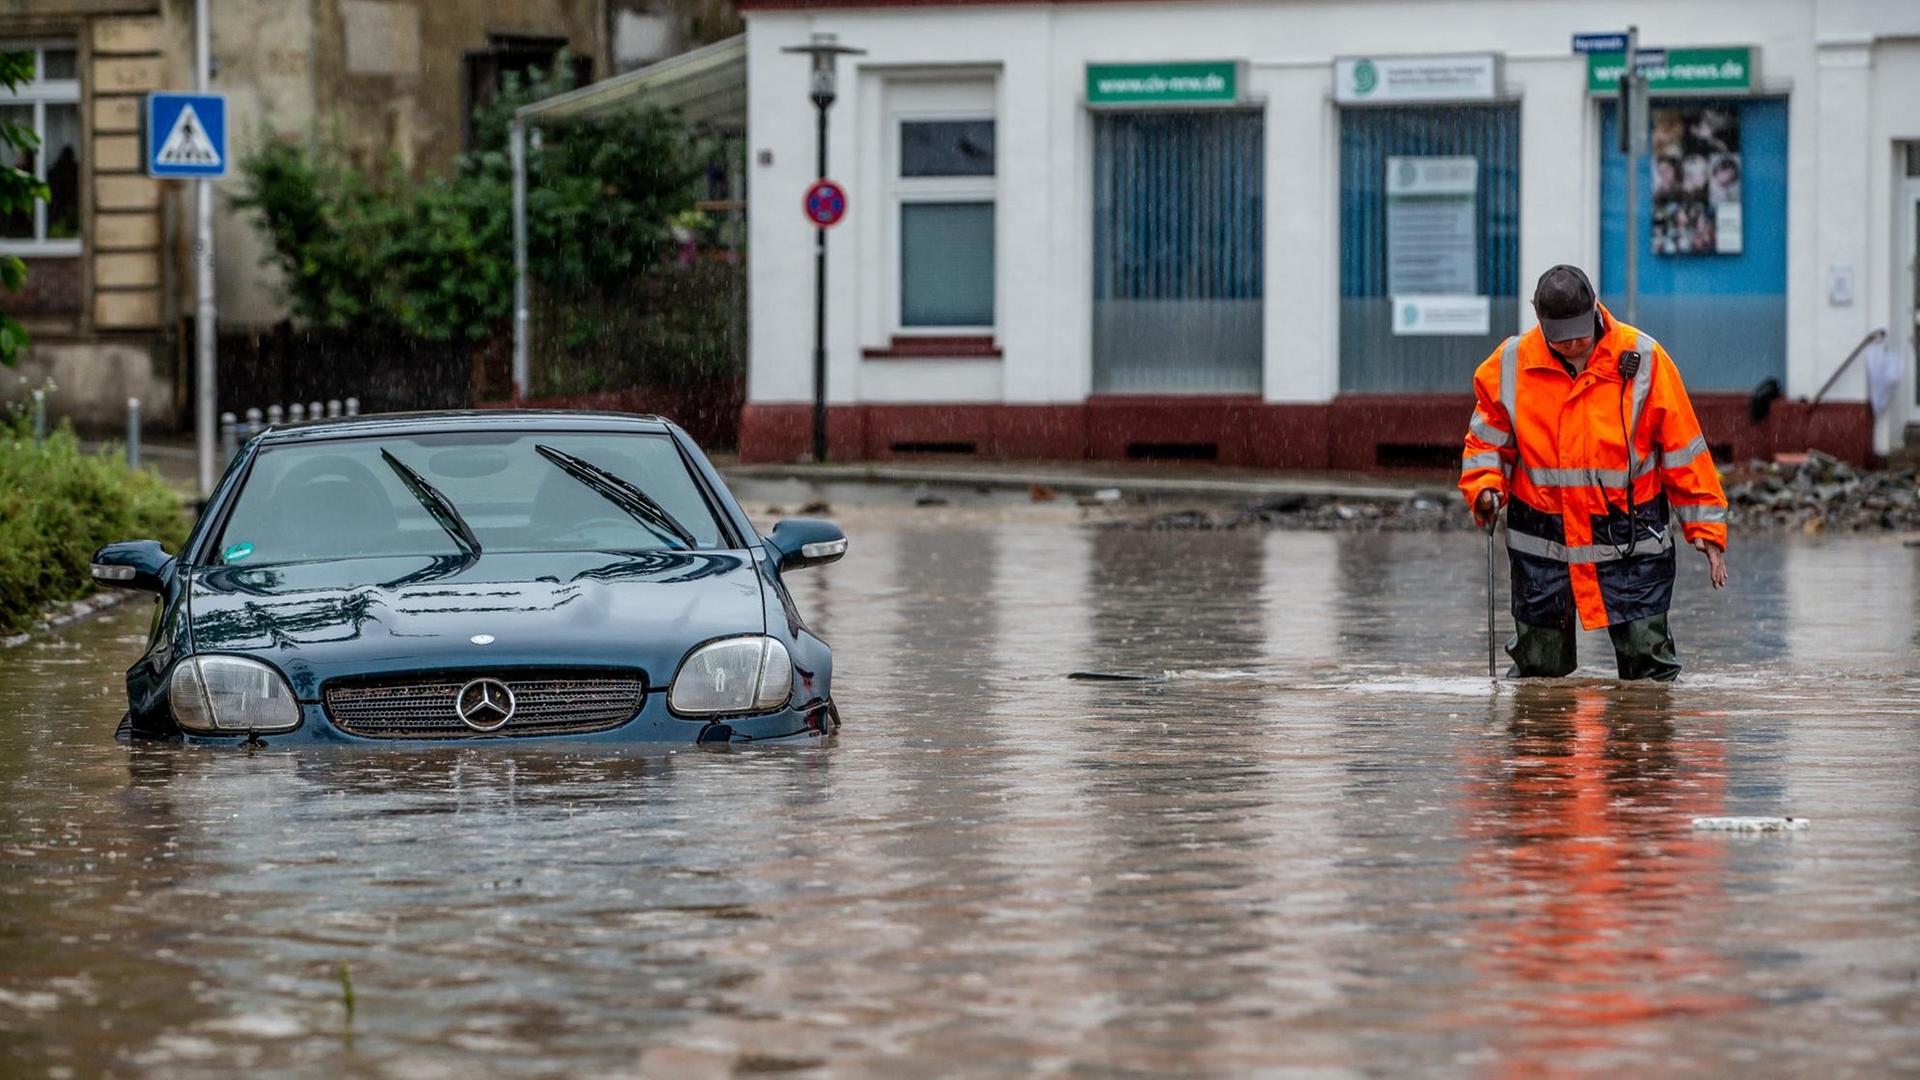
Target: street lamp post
x=825, y=50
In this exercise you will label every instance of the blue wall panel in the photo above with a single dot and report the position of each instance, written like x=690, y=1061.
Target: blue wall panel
x=1722, y=317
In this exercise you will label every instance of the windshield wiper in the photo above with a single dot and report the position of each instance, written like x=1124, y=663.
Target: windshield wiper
x=436, y=504
x=638, y=504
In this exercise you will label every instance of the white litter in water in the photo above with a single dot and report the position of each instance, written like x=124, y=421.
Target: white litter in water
x=1750, y=824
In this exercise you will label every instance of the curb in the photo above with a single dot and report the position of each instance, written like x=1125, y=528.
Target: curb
x=60, y=616
x=1251, y=490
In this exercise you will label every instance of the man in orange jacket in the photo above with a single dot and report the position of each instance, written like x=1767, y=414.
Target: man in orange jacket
x=1582, y=429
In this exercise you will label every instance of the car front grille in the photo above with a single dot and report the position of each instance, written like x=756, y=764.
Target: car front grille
x=424, y=707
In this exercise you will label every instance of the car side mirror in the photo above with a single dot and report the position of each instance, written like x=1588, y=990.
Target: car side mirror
x=803, y=542
x=132, y=564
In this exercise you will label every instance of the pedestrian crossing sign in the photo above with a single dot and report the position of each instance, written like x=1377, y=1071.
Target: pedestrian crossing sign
x=186, y=135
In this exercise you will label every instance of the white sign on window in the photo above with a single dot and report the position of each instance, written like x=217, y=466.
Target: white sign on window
x=1361, y=80
x=1432, y=242
x=1440, y=315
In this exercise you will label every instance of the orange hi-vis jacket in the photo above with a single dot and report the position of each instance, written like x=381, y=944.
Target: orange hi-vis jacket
x=1561, y=449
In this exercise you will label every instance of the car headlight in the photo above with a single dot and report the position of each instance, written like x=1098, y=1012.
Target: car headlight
x=738, y=675
x=229, y=693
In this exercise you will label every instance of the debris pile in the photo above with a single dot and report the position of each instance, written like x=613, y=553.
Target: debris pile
x=1811, y=493
x=1430, y=512
x=1822, y=492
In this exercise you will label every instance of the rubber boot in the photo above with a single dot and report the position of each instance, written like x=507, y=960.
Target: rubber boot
x=1644, y=649
x=1543, y=651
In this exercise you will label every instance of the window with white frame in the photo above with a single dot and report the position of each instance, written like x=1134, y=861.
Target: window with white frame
x=48, y=104
x=941, y=183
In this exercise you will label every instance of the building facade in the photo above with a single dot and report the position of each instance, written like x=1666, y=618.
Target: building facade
x=1283, y=234
x=110, y=283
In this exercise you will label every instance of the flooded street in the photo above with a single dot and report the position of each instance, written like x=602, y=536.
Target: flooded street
x=1321, y=845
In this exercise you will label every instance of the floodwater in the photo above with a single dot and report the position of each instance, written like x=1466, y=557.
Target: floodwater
x=1323, y=845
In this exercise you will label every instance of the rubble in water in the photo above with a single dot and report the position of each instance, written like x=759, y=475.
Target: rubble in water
x=1823, y=492
x=1427, y=512
x=1814, y=494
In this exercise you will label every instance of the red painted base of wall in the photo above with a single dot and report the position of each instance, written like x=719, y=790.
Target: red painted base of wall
x=710, y=412
x=1356, y=432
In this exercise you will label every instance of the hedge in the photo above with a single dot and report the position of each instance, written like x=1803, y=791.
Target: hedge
x=58, y=505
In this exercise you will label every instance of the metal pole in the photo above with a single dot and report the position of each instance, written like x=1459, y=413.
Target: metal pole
x=1630, y=129
x=820, y=310
x=133, y=433
x=39, y=416
x=203, y=267
x=229, y=436
x=517, y=149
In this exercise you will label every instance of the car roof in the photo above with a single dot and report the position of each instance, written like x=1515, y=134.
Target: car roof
x=452, y=421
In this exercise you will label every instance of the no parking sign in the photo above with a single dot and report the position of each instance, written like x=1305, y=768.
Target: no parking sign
x=826, y=203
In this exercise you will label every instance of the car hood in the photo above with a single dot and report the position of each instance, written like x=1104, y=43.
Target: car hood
x=321, y=620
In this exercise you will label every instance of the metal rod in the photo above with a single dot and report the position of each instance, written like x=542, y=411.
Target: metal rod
x=204, y=315
x=1873, y=335
x=517, y=150
x=820, y=310
x=133, y=433
x=229, y=436
x=1491, y=523
x=1629, y=121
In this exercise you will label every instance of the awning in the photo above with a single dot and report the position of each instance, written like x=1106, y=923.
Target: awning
x=708, y=86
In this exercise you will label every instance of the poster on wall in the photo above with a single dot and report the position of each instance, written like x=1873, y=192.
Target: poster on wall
x=1696, y=181
x=1433, y=250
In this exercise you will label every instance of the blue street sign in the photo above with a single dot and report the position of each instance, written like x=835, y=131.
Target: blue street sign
x=186, y=135
x=1600, y=43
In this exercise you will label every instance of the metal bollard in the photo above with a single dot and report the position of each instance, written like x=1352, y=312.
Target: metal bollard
x=133, y=433
x=314, y=411
x=229, y=437
x=275, y=415
x=353, y=406
x=296, y=413
x=39, y=416
x=333, y=408
x=254, y=424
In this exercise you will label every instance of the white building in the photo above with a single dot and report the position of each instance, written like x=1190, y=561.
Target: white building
x=1282, y=234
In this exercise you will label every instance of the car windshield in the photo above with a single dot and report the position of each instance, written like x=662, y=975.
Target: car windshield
x=463, y=494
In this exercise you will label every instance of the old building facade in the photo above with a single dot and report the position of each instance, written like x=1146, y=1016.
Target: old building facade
x=110, y=262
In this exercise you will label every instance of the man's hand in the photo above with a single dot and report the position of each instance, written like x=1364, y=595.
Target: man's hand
x=1485, y=507
x=1716, y=562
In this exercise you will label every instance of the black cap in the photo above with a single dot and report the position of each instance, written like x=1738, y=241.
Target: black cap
x=1564, y=301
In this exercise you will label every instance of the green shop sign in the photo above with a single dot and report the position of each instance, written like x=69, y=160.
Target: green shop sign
x=1718, y=70
x=1163, y=84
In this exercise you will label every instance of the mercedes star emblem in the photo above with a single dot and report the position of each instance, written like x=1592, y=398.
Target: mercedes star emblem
x=485, y=704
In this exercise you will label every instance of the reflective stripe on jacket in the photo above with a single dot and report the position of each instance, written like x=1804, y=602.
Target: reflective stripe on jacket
x=1561, y=450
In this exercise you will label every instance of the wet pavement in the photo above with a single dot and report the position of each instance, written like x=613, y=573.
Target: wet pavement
x=1322, y=845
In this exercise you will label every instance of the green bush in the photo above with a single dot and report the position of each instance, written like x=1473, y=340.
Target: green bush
x=433, y=258
x=58, y=505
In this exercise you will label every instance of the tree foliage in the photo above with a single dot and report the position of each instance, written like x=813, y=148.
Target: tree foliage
x=433, y=258
x=19, y=190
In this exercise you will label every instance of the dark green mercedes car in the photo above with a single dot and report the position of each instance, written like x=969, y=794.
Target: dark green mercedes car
x=497, y=575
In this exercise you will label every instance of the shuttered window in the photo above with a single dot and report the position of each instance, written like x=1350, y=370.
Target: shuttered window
x=1373, y=357
x=1179, y=228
